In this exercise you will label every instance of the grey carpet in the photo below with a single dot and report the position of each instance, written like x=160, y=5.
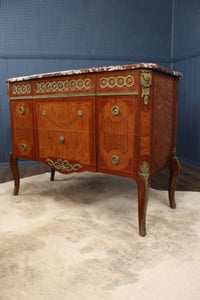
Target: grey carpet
x=77, y=238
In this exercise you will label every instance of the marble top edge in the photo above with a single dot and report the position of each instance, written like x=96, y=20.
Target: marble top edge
x=97, y=70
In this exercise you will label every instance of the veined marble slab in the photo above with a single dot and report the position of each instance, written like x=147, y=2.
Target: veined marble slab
x=99, y=69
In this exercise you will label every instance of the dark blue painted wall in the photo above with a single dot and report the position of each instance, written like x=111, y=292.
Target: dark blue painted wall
x=86, y=29
x=47, y=35
x=186, y=29
x=187, y=60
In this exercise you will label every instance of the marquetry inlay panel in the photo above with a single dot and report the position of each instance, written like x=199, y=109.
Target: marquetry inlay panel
x=24, y=142
x=116, y=81
x=21, y=89
x=118, y=141
x=119, y=126
x=63, y=85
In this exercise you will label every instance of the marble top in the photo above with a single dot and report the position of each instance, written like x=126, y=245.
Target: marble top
x=97, y=70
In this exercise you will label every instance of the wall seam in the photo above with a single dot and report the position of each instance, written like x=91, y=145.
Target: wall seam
x=172, y=37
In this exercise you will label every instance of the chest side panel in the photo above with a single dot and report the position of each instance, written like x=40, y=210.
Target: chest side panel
x=163, y=119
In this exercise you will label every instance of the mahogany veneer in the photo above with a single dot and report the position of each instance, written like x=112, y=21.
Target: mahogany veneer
x=119, y=120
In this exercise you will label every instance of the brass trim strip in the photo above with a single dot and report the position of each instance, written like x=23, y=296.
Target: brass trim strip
x=117, y=94
x=74, y=95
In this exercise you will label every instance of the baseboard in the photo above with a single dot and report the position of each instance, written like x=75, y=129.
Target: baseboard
x=189, y=162
x=21, y=163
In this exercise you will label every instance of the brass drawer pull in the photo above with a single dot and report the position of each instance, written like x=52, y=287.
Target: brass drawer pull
x=44, y=112
x=61, y=139
x=115, y=159
x=115, y=110
x=23, y=146
x=80, y=112
x=22, y=110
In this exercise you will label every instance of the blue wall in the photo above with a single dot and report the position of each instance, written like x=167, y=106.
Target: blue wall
x=83, y=29
x=47, y=35
x=186, y=58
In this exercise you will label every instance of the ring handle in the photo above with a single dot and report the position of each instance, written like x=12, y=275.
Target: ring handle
x=23, y=146
x=115, y=110
x=80, y=112
x=61, y=139
x=115, y=159
x=21, y=110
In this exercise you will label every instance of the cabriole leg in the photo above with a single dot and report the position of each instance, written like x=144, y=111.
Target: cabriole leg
x=15, y=171
x=52, y=174
x=143, y=195
x=174, y=171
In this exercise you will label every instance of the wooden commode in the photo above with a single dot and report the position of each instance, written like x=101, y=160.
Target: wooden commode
x=120, y=120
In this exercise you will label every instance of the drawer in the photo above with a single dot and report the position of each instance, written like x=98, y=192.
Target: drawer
x=115, y=152
x=126, y=81
x=23, y=143
x=116, y=114
x=20, y=89
x=67, y=114
x=72, y=84
x=77, y=147
x=21, y=114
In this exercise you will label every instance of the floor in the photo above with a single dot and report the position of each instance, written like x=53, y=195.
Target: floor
x=189, y=177
x=77, y=238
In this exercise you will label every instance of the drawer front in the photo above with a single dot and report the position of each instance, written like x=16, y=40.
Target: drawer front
x=68, y=114
x=21, y=114
x=116, y=114
x=76, y=147
x=118, y=82
x=23, y=143
x=115, y=152
x=20, y=89
x=116, y=134
x=73, y=84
